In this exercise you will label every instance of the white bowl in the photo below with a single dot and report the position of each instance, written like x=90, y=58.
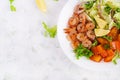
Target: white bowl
x=66, y=13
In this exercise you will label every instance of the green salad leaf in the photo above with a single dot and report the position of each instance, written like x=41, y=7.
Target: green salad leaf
x=51, y=31
x=107, y=9
x=89, y=4
x=109, y=38
x=82, y=51
x=11, y=1
x=117, y=16
x=110, y=4
x=118, y=9
x=94, y=43
x=117, y=56
x=12, y=7
x=55, y=0
x=118, y=24
x=106, y=46
x=93, y=12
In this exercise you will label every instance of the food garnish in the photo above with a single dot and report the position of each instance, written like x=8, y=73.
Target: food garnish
x=12, y=7
x=51, y=31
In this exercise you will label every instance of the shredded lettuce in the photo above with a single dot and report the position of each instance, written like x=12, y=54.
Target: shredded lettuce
x=89, y=4
x=51, y=31
x=94, y=43
x=111, y=24
x=93, y=13
x=110, y=4
x=110, y=10
x=109, y=38
x=117, y=56
x=118, y=24
x=117, y=20
x=118, y=10
x=107, y=9
x=117, y=16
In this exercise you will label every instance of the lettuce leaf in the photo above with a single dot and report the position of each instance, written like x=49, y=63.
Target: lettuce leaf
x=89, y=4
x=51, y=31
x=117, y=56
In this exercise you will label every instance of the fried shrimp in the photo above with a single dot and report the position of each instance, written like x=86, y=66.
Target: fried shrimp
x=75, y=44
x=87, y=43
x=70, y=31
x=81, y=37
x=90, y=26
x=91, y=34
x=82, y=18
x=73, y=21
x=81, y=28
x=72, y=38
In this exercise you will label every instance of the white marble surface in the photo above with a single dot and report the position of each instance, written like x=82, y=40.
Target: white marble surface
x=25, y=54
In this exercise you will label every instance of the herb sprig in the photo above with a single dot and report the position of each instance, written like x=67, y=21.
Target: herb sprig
x=89, y=4
x=82, y=51
x=56, y=0
x=109, y=38
x=117, y=56
x=12, y=7
x=94, y=43
x=51, y=31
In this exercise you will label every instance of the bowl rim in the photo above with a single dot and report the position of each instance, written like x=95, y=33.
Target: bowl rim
x=92, y=65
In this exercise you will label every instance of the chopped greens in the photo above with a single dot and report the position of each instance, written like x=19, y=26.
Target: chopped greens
x=117, y=56
x=117, y=25
x=51, y=31
x=107, y=9
x=94, y=43
x=116, y=19
x=106, y=46
x=89, y=4
x=109, y=38
x=55, y=0
x=118, y=9
x=82, y=51
x=12, y=7
x=110, y=4
x=11, y=1
x=117, y=16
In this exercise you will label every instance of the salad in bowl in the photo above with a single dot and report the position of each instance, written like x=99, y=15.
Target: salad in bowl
x=93, y=30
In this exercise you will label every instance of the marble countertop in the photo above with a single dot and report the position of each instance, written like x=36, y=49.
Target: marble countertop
x=25, y=54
